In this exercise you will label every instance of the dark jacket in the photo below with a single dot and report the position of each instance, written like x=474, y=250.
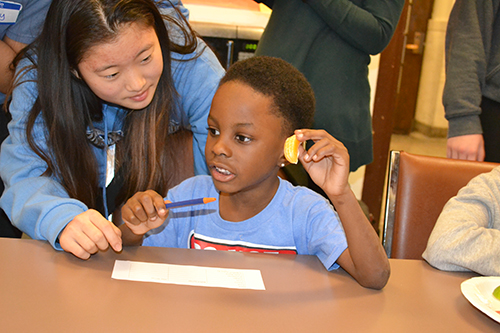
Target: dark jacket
x=330, y=42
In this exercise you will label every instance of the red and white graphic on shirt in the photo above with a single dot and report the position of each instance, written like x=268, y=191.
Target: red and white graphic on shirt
x=200, y=242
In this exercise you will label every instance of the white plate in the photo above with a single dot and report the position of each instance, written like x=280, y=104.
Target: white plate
x=479, y=291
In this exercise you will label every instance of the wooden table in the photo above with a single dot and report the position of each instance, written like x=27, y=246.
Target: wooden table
x=44, y=290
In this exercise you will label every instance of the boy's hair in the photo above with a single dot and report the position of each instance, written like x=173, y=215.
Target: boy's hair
x=292, y=95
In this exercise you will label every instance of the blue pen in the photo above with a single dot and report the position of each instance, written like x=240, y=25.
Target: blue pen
x=189, y=202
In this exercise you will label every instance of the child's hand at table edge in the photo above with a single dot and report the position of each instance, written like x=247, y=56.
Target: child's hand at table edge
x=144, y=211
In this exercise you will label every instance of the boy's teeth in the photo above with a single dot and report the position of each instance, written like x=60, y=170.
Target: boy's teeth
x=223, y=171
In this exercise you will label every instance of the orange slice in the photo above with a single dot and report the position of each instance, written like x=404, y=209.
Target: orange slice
x=292, y=149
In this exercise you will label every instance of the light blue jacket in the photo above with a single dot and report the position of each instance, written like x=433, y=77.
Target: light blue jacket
x=39, y=205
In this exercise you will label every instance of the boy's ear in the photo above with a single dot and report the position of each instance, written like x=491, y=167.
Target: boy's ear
x=282, y=162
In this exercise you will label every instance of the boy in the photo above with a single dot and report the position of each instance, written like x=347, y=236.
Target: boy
x=259, y=103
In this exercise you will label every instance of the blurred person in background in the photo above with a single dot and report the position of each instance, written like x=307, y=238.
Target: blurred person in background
x=330, y=42
x=471, y=96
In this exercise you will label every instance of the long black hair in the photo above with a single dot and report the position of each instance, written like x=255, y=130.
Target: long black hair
x=68, y=106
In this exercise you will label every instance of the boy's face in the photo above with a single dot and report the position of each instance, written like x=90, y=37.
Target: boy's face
x=245, y=141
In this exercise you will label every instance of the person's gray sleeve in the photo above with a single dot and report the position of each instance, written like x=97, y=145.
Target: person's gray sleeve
x=368, y=27
x=466, y=235
x=467, y=41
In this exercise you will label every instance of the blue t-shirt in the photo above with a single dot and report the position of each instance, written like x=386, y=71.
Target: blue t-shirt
x=28, y=25
x=297, y=220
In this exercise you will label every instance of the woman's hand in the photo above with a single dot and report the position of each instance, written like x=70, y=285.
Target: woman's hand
x=327, y=161
x=144, y=211
x=88, y=233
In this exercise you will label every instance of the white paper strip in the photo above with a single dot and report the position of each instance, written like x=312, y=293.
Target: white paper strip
x=188, y=275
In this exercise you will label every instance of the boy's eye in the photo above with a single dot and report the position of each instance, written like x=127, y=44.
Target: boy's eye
x=243, y=139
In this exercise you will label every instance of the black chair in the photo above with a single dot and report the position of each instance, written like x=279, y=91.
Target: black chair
x=6, y=228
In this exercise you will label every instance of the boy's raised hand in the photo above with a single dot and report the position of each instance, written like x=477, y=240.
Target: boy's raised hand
x=327, y=161
x=144, y=211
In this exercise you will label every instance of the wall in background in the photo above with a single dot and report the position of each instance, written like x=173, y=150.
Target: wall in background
x=429, y=113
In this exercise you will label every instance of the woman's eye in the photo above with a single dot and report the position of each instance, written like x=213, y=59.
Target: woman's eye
x=213, y=131
x=243, y=139
x=146, y=59
x=111, y=76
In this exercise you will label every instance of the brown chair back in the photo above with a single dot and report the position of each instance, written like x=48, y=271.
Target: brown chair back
x=418, y=188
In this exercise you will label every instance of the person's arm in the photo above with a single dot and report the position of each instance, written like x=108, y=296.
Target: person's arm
x=196, y=82
x=466, y=235
x=327, y=162
x=468, y=39
x=196, y=77
x=368, y=27
x=39, y=205
x=29, y=197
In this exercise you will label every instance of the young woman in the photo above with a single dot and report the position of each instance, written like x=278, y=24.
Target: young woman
x=99, y=93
